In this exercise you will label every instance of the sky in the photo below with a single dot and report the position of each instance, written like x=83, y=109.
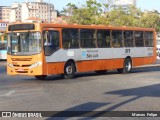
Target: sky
x=60, y=4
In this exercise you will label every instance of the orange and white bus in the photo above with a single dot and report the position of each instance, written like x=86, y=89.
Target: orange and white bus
x=41, y=49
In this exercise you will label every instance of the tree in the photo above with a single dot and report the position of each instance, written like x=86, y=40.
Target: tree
x=150, y=20
x=104, y=12
x=4, y=36
x=88, y=14
x=128, y=16
x=70, y=9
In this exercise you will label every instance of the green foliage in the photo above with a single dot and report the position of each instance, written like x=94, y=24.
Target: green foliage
x=150, y=20
x=106, y=13
x=0, y=37
x=5, y=37
x=86, y=15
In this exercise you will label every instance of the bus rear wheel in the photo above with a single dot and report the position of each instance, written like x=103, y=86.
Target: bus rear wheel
x=127, y=67
x=40, y=77
x=69, y=70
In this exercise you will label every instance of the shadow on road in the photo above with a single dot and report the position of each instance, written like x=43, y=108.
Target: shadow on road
x=88, y=74
x=89, y=109
x=79, y=110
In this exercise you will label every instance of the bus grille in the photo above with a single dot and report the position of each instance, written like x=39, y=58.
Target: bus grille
x=21, y=59
x=22, y=65
x=21, y=71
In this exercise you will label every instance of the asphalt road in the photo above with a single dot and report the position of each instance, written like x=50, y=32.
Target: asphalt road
x=137, y=91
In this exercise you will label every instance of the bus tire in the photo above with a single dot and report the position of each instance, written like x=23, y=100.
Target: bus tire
x=69, y=70
x=101, y=71
x=40, y=77
x=127, y=67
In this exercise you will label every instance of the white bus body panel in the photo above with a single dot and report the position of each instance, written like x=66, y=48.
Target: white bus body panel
x=62, y=55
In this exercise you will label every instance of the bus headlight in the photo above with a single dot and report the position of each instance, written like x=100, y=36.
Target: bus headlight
x=10, y=65
x=35, y=65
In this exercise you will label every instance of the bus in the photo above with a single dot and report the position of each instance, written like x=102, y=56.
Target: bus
x=158, y=51
x=44, y=49
x=3, y=50
x=158, y=45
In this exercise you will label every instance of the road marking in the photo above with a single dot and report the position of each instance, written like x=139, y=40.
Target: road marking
x=8, y=93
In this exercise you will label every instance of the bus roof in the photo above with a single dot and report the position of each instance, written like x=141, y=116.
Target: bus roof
x=96, y=27
x=41, y=25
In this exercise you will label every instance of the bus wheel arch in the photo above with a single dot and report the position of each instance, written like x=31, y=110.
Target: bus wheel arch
x=69, y=69
x=127, y=65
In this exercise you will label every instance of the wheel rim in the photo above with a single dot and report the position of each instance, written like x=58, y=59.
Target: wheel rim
x=128, y=66
x=69, y=69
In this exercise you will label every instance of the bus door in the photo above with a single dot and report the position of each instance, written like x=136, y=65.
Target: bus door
x=51, y=41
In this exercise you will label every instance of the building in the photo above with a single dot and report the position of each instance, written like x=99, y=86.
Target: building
x=15, y=14
x=3, y=25
x=125, y=3
x=1, y=7
x=32, y=19
x=5, y=13
x=22, y=11
x=60, y=20
x=39, y=9
x=151, y=11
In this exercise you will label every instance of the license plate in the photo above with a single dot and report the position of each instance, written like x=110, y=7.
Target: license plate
x=20, y=70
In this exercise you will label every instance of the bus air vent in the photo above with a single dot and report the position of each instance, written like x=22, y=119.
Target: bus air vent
x=21, y=59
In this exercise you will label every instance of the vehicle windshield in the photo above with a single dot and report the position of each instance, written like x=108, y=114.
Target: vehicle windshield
x=26, y=43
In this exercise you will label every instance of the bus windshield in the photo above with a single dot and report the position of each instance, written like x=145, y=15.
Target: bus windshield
x=26, y=43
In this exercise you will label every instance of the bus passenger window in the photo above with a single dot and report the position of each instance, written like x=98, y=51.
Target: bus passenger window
x=103, y=38
x=88, y=39
x=51, y=41
x=47, y=41
x=128, y=39
x=139, y=39
x=70, y=38
x=117, y=38
x=149, y=39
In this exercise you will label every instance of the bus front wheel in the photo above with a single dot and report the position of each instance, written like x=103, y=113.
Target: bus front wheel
x=69, y=70
x=127, y=67
x=40, y=77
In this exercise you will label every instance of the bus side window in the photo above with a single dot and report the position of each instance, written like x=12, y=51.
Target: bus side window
x=128, y=39
x=149, y=39
x=51, y=41
x=103, y=38
x=54, y=39
x=139, y=40
x=117, y=38
x=46, y=39
x=70, y=38
x=88, y=39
